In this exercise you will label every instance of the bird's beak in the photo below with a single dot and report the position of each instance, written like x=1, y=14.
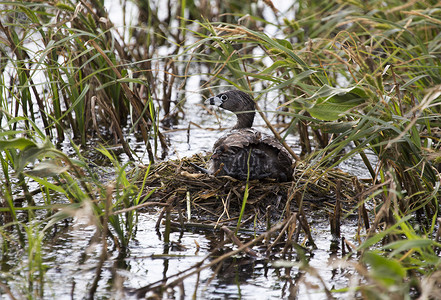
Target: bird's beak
x=214, y=101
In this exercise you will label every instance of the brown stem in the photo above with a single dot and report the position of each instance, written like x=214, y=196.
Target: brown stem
x=276, y=134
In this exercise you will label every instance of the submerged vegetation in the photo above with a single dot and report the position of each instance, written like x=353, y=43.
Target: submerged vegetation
x=348, y=78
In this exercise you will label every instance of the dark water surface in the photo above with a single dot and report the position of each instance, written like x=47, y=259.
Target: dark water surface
x=73, y=259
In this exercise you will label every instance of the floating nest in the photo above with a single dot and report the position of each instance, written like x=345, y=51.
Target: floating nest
x=209, y=199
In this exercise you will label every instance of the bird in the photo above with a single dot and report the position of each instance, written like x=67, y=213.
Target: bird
x=245, y=153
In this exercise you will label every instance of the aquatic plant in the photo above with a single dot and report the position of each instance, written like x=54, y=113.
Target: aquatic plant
x=67, y=60
x=352, y=78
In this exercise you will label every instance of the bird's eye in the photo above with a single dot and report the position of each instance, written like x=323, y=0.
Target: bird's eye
x=224, y=97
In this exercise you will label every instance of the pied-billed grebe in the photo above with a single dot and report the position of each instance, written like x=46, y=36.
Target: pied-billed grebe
x=244, y=149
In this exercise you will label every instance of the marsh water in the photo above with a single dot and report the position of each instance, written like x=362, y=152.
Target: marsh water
x=72, y=255
x=149, y=258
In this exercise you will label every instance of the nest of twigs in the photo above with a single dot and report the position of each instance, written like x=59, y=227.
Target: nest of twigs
x=207, y=198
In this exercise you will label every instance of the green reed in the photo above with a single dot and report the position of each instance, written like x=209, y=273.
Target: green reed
x=77, y=61
x=67, y=75
x=355, y=83
x=360, y=78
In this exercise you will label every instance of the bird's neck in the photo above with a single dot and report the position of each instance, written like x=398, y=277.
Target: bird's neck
x=244, y=120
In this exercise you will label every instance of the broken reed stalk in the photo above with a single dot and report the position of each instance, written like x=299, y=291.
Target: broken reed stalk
x=104, y=233
x=335, y=217
x=362, y=212
x=304, y=137
x=193, y=225
x=233, y=237
x=302, y=219
x=268, y=223
x=307, y=230
x=225, y=205
x=293, y=218
x=167, y=225
x=161, y=214
x=276, y=134
x=137, y=207
x=290, y=233
x=385, y=213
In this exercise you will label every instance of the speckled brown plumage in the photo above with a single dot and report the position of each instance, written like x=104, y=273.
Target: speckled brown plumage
x=245, y=150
